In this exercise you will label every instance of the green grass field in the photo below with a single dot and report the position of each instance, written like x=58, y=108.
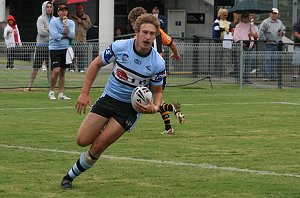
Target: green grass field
x=235, y=143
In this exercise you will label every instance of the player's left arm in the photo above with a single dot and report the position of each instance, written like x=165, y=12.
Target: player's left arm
x=152, y=107
x=175, y=55
x=157, y=94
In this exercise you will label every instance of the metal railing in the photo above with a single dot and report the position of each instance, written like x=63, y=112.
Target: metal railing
x=201, y=59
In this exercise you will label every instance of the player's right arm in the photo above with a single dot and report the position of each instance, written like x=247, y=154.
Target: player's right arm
x=84, y=98
x=106, y=57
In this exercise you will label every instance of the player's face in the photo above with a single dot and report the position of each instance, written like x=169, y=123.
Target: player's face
x=49, y=8
x=145, y=38
x=62, y=13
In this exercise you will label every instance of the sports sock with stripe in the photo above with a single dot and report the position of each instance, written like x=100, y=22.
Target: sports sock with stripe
x=85, y=161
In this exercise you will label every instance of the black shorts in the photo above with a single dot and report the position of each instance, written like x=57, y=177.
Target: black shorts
x=58, y=58
x=122, y=112
x=41, y=54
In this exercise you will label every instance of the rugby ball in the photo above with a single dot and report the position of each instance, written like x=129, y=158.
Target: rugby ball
x=139, y=95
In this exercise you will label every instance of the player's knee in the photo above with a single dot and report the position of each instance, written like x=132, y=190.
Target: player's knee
x=82, y=141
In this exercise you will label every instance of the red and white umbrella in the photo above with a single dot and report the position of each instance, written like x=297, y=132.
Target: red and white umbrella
x=69, y=1
x=75, y=1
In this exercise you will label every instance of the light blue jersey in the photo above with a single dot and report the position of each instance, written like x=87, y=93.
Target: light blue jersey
x=56, y=31
x=131, y=69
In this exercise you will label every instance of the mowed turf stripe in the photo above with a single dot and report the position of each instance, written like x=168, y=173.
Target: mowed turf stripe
x=199, y=104
x=202, y=165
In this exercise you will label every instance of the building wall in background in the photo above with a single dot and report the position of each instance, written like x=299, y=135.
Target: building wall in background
x=27, y=11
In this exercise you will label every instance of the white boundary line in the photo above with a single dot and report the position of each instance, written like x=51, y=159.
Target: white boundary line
x=36, y=108
x=202, y=165
x=199, y=104
x=245, y=103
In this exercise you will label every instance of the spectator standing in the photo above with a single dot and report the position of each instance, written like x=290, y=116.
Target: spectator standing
x=82, y=25
x=118, y=31
x=253, y=19
x=162, y=19
x=12, y=39
x=62, y=31
x=220, y=28
x=221, y=25
x=41, y=53
x=112, y=115
x=296, y=55
x=246, y=32
x=92, y=36
x=256, y=23
x=271, y=32
x=236, y=20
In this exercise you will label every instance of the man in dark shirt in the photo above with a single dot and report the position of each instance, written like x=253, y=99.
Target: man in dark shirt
x=296, y=56
x=162, y=19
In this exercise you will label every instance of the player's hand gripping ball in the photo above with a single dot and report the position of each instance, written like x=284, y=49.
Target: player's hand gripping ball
x=139, y=95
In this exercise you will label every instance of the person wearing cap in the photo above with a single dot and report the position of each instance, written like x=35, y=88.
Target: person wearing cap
x=62, y=31
x=271, y=32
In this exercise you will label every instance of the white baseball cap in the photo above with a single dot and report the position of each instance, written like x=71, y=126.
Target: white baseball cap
x=275, y=10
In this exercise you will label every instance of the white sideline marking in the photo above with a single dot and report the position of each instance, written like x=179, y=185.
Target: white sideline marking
x=199, y=104
x=203, y=165
x=244, y=103
x=37, y=108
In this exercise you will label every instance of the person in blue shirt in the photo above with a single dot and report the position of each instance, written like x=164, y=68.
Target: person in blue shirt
x=62, y=32
x=136, y=63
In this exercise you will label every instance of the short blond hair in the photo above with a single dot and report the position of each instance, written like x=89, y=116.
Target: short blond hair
x=222, y=11
x=146, y=18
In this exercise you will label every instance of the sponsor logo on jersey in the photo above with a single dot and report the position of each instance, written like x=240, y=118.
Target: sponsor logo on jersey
x=159, y=78
x=108, y=54
x=137, y=61
x=129, y=77
x=125, y=57
x=121, y=74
